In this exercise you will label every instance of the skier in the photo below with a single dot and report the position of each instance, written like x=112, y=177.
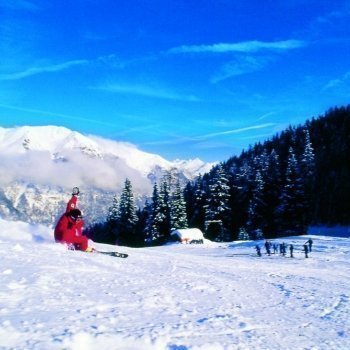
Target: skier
x=306, y=250
x=291, y=248
x=274, y=248
x=258, y=250
x=69, y=230
x=267, y=247
x=309, y=242
x=283, y=249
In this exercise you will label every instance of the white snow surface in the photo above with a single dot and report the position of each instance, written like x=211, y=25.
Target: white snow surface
x=175, y=297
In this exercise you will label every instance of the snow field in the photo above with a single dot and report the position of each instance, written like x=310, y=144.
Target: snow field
x=176, y=297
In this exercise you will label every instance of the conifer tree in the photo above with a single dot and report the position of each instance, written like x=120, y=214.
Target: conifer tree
x=243, y=235
x=152, y=230
x=272, y=194
x=240, y=194
x=113, y=217
x=164, y=209
x=217, y=206
x=178, y=208
x=292, y=208
x=257, y=207
x=197, y=219
x=113, y=211
x=308, y=172
x=148, y=219
x=158, y=224
x=128, y=217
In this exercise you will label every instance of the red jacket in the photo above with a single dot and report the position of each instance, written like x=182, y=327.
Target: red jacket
x=72, y=204
x=69, y=231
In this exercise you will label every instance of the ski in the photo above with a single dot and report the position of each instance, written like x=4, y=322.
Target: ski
x=116, y=254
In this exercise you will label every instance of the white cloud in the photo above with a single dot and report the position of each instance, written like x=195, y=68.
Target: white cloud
x=246, y=59
x=336, y=82
x=245, y=46
x=147, y=91
x=38, y=167
x=235, y=131
x=240, y=66
x=41, y=69
x=334, y=15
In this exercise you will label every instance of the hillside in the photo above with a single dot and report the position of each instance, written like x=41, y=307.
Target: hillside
x=279, y=187
x=40, y=165
x=217, y=296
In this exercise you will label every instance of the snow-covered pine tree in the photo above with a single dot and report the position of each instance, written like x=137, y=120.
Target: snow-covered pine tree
x=261, y=162
x=308, y=172
x=158, y=224
x=241, y=184
x=308, y=157
x=292, y=208
x=178, y=208
x=143, y=215
x=272, y=193
x=152, y=230
x=217, y=206
x=113, y=211
x=243, y=235
x=257, y=207
x=164, y=209
x=148, y=219
x=113, y=217
x=197, y=219
x=128, y=217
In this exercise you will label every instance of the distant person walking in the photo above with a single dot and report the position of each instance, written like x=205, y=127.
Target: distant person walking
x=268, y=247
x=284, y=249
x=258, y=250
x=306, y=250
x=309, y=242
x=274, y=248
x=291, y=249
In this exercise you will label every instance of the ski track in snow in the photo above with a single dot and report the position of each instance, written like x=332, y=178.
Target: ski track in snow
x=176, y=297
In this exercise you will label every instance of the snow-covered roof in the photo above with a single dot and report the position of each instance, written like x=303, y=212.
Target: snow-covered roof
x=188, y=233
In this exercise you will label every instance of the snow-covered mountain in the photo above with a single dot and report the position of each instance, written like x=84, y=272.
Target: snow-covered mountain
x=40, y=165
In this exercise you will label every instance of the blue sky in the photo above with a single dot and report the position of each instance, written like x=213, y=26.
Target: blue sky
x=183, y=78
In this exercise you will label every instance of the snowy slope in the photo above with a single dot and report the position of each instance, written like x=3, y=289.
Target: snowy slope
x=217, y=296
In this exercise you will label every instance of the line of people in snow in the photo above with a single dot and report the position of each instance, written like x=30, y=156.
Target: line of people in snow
x=282, y=248
x=69, y=228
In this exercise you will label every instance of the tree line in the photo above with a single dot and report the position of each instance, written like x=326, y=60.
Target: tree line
x=277, y=188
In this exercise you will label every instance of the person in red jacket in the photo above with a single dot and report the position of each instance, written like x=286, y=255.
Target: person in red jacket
x=69, y=230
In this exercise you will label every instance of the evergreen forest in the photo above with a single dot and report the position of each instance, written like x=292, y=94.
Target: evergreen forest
x=299, y=177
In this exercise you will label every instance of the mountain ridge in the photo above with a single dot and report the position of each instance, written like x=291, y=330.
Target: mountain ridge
x=42, y=163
